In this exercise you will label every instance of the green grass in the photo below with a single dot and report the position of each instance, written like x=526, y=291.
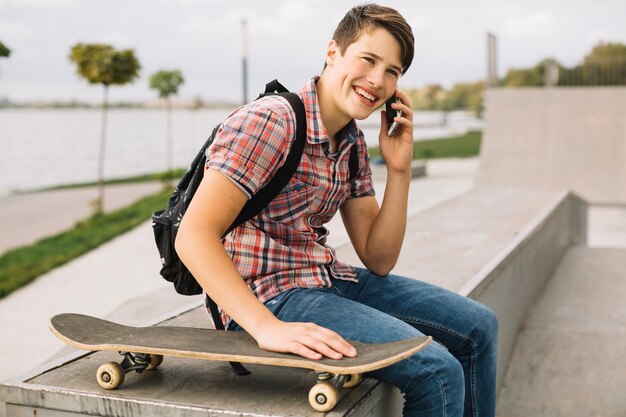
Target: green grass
x=22, y=265
x=175, y=174
x=452, y=147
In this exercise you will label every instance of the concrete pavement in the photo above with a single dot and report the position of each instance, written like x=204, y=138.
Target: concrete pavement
x=120, y=279
x=26, y=218
x=569, y=355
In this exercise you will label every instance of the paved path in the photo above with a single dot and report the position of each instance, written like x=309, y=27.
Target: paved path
x=26, y=218
x=569, y=356
x=120, y=279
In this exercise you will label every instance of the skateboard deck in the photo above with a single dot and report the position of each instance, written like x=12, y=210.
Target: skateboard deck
x=143, y=348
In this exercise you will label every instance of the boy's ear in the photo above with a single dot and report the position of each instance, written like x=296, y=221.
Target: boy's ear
x=331, y=52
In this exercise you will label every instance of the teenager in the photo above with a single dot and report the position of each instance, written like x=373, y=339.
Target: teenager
x=276, y=278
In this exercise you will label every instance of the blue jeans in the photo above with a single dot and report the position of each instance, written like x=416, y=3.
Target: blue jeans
x=456, y=380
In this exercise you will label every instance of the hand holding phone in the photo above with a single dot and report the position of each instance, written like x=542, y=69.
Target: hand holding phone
x=391, y=113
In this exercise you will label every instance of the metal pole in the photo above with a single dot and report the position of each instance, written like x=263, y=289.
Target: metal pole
x=492, y=72
x=244, y=59
x=551, y=73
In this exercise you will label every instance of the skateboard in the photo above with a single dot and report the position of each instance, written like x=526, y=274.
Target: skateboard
x=143, y=348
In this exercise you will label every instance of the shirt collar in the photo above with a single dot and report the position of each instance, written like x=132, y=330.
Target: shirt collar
x=316, y=131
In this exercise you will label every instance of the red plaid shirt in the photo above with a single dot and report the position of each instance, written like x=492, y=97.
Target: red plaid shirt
x=284, y=246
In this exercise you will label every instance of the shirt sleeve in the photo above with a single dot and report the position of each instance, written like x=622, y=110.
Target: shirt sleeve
x=362, y=185
x=250, y=146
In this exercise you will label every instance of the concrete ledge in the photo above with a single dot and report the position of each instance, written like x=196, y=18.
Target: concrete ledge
x=418, y=169
x=497, y=245
x=503, y=242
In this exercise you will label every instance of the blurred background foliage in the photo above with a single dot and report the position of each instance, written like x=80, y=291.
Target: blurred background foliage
x=604, y=65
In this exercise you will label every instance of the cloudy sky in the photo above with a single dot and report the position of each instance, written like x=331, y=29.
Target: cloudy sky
x=287, y=40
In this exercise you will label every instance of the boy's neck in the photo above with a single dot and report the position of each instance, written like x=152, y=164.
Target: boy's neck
x=332, y=117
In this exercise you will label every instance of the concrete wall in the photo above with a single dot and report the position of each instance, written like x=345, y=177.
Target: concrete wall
x=557, y=138
x=505, y=242
x=511, y=285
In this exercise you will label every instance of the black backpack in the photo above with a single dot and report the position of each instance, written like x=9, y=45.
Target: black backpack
x=165, y=223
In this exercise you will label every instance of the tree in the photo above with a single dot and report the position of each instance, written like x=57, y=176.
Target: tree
x=429, y=97
x=605, y=65
x=102, y=64
x=167, y=83
x=4, y=51
x=465, y=96
x=524, y=77
x=603, y=51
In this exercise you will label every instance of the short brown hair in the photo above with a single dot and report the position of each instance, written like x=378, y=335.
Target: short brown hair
x=370, y=16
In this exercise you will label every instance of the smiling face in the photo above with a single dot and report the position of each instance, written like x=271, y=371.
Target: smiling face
x=361, y=79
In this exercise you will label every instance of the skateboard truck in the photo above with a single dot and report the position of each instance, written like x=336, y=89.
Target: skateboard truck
x=111, y=374
x=136, y=362
x=325, y=393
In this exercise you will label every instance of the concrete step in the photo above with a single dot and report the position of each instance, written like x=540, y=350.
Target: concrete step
x=569, y=356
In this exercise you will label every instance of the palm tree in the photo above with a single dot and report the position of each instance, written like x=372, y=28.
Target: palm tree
x=102, y=64
x=167, y=83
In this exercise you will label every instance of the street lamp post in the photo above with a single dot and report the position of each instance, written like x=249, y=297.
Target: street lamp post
x=492, y=72
x=244, y=59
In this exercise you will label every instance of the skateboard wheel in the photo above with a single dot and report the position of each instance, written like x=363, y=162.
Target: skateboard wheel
x=155, y=361
x=353, y=381
x=110, y=375
x=323, y=396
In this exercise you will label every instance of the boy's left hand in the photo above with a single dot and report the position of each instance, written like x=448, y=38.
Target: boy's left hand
x=397, y=150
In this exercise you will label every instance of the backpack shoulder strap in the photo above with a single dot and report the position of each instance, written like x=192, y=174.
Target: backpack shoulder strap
x=263, y=196
x=274, y=87
x=266, y=194
x=353, y=162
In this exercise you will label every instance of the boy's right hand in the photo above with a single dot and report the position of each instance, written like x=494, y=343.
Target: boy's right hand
x=305, y=339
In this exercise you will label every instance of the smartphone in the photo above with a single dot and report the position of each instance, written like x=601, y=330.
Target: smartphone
x=391, y=113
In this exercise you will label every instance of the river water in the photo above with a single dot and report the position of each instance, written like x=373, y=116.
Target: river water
x=48, y=147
